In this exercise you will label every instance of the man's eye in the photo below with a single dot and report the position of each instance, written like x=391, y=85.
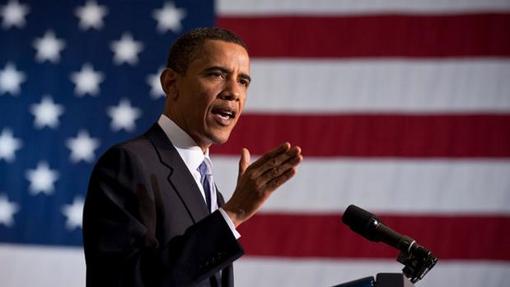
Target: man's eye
x=217, y=74
x=245, y=83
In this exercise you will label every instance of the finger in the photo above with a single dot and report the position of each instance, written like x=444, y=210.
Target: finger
x=277, y=171
x=291, y=162
x=244, y=161
x=277, y=161
x=271, y=154
x=276, y=182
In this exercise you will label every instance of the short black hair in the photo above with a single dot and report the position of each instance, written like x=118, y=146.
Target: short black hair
x=183, y=50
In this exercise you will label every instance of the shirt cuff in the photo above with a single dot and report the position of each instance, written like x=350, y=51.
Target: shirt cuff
x=230, y=223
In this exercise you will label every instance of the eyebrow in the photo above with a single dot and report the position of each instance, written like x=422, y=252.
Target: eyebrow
x=226, y=71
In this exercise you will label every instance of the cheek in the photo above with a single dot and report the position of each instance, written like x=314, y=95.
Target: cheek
x=212, y=89
x=199, y=99
x=207, y=90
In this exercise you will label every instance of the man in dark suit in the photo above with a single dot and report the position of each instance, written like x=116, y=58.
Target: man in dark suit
x=152, y=215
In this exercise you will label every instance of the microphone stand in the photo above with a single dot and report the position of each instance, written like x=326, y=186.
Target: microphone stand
x=417, y=262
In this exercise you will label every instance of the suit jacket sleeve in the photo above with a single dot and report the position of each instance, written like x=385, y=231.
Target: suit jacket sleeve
x=122, y=247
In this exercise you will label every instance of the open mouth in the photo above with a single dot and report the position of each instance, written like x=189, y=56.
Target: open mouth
x=223, y=115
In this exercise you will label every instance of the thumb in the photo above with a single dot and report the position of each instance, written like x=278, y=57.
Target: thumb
x=244, y=161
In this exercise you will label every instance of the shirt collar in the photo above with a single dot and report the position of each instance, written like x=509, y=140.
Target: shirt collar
x=187, y=148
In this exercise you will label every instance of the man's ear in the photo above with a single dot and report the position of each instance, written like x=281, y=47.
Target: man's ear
x=168, y=79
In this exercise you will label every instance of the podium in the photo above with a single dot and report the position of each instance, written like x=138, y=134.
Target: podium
x=381, y=280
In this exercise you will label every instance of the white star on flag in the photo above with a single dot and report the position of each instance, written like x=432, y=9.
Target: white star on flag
x=123, y=116
x=74, y=213
x=42, y=179
x=169, y=17
x=86, y=81
x=155, y=84
x=126, y=50
x=7, y=211
x=46, y=113
x=11, y=79
x=8, y=145
x=48, y=47
x=91, y=15
x=13, y=14
x=82, y=147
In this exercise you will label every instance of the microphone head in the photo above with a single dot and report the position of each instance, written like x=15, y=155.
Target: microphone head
x=361, y=222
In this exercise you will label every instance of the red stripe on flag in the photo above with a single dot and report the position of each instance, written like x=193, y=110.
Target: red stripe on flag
x=448, y=237
x=450, y=136
x=374, y=36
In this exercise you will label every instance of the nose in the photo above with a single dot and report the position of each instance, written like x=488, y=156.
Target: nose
x=232, y=90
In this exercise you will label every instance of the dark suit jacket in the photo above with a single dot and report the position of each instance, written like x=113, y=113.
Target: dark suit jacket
x=145, y=222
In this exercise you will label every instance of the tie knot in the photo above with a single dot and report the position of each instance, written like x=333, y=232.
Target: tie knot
x=203, y=169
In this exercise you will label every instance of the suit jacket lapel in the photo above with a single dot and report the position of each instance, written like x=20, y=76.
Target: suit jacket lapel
x=179, y=176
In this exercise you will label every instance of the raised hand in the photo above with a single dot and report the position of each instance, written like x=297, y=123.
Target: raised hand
x=256, y=182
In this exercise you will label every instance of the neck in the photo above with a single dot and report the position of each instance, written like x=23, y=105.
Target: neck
x=203, y=146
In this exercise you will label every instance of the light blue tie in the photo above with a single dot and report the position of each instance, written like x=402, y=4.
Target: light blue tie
x=205, y=179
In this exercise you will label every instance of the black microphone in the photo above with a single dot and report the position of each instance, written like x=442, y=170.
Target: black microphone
x=417, y=259
x=371, y=227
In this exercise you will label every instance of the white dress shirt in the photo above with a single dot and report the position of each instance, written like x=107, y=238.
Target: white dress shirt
x=193, y=156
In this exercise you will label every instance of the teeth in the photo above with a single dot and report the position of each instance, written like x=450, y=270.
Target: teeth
x=227, y=114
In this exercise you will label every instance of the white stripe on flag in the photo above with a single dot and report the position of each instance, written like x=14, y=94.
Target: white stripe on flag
x=379, y=86
x=336, y=7
x=403, y=186
x=41, y=266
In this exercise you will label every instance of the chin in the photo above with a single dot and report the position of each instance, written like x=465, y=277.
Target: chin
x=219, y=138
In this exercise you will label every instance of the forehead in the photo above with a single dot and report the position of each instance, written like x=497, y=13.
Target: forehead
x=221, y=53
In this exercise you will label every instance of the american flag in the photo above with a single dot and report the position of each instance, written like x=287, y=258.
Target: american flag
x=401, y=107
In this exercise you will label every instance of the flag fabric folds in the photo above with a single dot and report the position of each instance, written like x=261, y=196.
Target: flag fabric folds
x=402, y=108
